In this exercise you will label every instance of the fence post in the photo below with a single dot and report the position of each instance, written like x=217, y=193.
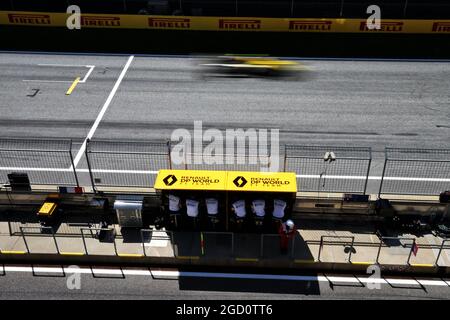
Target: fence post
x=368, y=171
x=142, y=239
x=411, y=251
x=24, y=240
x=114, y=241
x=320, y=247
x=169, y=155
x=379, y=251
x=285, y=159
x=436, y=263
x=84, y=242
x=351, y=250
x=73, y=165
x=89, y=165
x=382, y=175
x=54, y=239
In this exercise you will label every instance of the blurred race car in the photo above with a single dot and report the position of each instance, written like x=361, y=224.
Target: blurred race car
x=252, y=67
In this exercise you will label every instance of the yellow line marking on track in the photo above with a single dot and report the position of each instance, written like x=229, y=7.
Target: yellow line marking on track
x=363, y=262
x=72, y=87
x=428, y=265
x=135, y=255
x=13, y=252
x=188, y=257
x=247, y=259
x=72, y=253
x=304, y=261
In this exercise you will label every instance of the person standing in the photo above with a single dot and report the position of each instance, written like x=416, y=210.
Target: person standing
x=287, y=231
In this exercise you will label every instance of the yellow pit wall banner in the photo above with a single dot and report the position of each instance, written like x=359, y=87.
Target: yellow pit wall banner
x=226, y=181
x=320, y=25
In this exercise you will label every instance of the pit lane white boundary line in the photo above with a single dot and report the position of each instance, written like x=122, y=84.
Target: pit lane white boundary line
x=181, y=274
x=103, y=110
x=153, y=172
x=86, y=76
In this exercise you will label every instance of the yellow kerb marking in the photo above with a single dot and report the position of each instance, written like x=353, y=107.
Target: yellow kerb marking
x=13, y=252
x=135, y=255
x=363, y=262
x=72, y=253
x=421, y=265
x=72, y=87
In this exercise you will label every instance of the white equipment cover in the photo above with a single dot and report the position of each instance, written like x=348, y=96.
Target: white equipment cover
x=212, y=206
x=174, y=203
x=259, y=207
x=192, y=208
x=239, y=208
x=278, y=208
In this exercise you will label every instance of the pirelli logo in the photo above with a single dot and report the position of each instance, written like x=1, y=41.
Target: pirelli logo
x=34, y=19
x=240, y=24
x=385, y=27
x=97, y=21
x=310, y=25
x=169, y=23
x=441, y=27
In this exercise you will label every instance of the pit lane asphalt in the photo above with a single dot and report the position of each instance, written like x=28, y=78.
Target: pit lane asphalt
x=98, y=285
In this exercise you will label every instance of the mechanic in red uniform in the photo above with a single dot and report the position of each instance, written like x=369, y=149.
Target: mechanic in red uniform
x=287, y=231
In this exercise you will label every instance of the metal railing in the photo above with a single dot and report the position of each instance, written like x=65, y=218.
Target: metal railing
x=46, y=161
x=329, y=168
x=125, y=163
x=339, y=243
x=240, y=247
x=135, y=164
x=415, y=171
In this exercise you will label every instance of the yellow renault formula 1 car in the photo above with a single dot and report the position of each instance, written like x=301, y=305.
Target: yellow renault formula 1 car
x=252, y=67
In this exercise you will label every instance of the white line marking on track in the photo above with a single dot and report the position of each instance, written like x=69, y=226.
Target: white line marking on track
x=103, y=110
x=154, y=172
x=91, y=68
x=180, y=274
x=51, y=81
x=86, y=76
x=316, y=176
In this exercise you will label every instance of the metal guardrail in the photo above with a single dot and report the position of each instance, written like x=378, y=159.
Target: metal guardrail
x=125, y=163
x=200, y=246
x=41, y=229
x=322, y=242
x=415, y=171
x=46, y=161
x=329, y=168
x=135, y=164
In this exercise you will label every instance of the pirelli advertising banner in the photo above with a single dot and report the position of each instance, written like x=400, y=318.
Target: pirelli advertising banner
x=225, y=23
x=226, y=181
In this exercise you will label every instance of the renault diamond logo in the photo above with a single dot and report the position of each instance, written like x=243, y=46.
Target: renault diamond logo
x=240, y=181
x=170, y=180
